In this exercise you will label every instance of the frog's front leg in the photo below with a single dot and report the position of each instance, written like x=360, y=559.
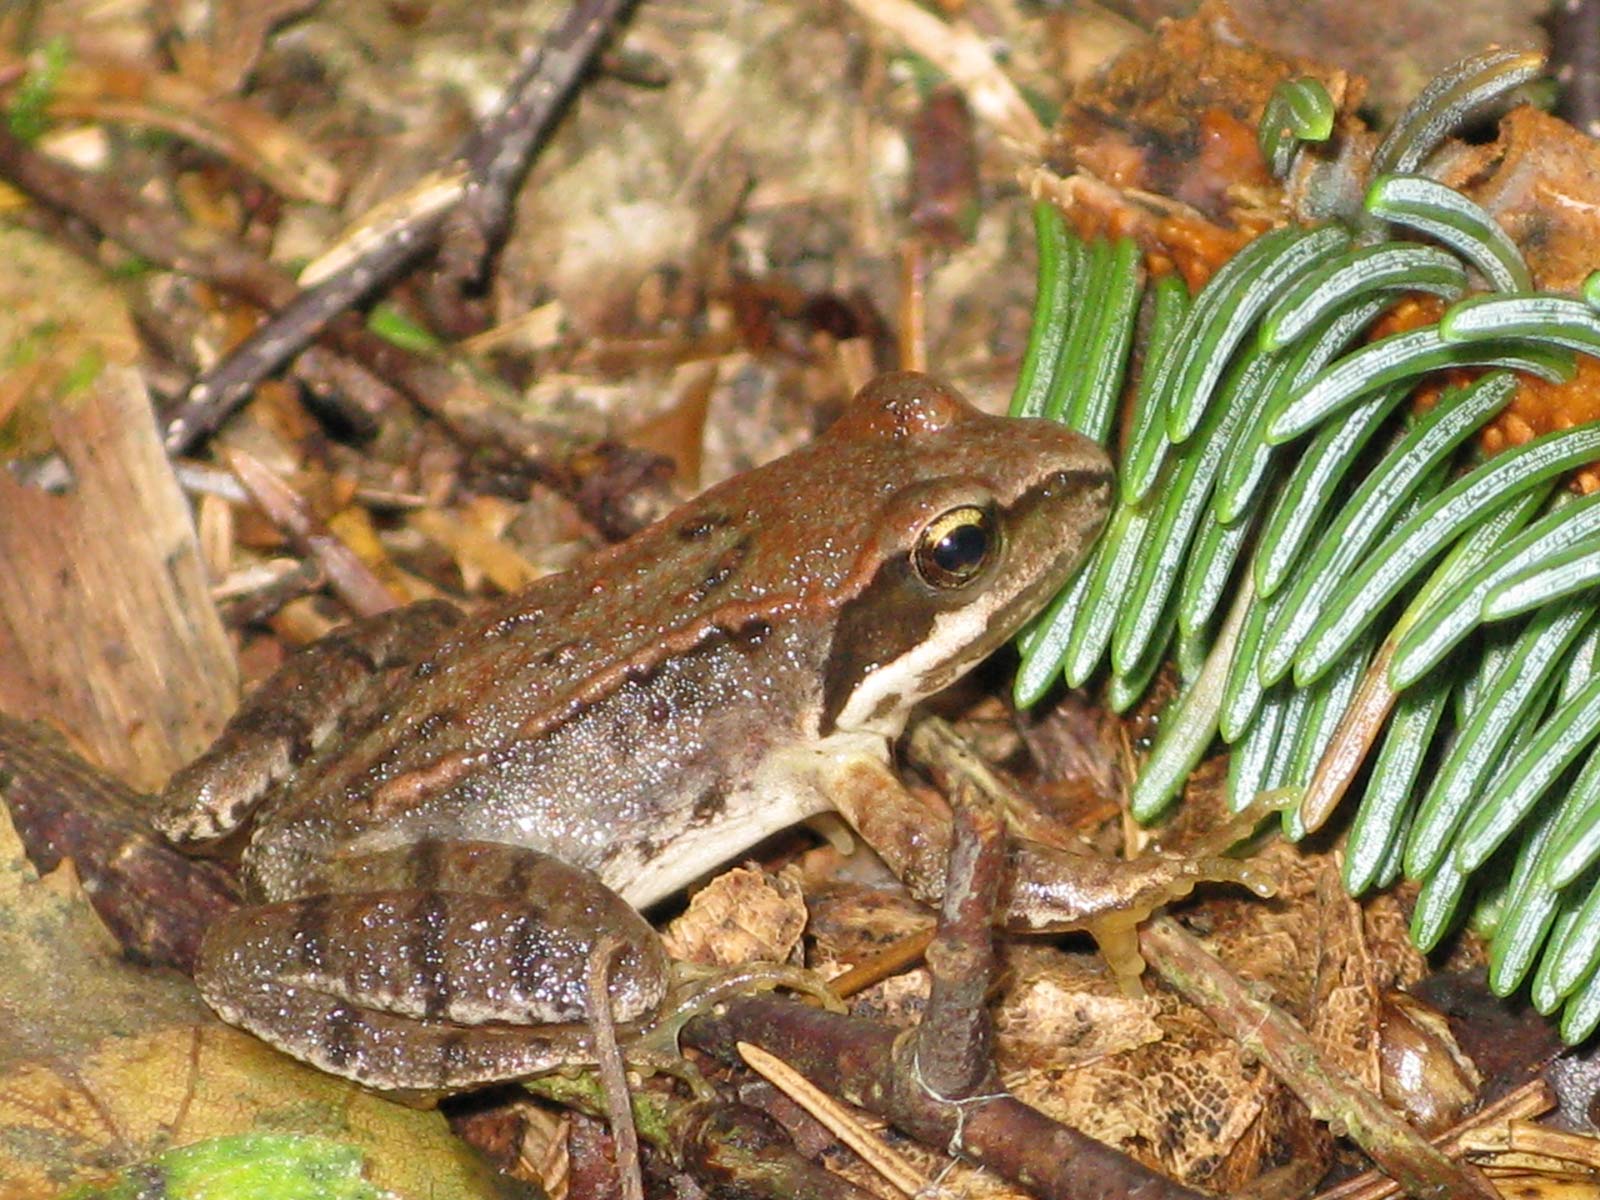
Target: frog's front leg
x=1047, y=889
x=433, y=967
x=290, y=715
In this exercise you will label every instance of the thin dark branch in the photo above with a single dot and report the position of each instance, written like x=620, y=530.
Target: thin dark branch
x=613, y=1072
x=501, y=150
x=260, y=603
x=158, y=235
x=352, y=580
x=499, y=153
x=464, y=403
x=864, y=1062
x=223, y=389
x=954, y=1051
x=149, y=231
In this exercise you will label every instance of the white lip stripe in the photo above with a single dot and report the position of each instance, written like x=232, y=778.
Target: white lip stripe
x=902, y=680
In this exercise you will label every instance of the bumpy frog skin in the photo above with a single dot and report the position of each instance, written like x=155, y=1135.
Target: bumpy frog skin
x=448, y=813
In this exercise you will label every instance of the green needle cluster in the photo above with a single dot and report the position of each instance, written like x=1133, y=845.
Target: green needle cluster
x=1355, y=600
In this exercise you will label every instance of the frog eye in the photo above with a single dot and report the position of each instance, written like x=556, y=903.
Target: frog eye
x=955, y=547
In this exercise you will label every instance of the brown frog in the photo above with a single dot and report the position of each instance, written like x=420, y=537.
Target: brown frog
x=447, y=813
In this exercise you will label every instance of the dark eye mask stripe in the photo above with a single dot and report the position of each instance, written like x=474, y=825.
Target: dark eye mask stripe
x=892, y=614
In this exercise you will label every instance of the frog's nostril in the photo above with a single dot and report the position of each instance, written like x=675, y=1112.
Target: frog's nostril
x=1098, y=464
x=1083, y=479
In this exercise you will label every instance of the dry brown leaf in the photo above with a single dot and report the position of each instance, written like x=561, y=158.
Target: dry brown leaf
x=1061, y=1011
x=851, y=923
x=238, y=130
x=1185, y=1105
x=477, y=546
x=741, y=916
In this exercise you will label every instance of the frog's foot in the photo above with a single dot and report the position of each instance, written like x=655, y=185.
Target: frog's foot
x=648, y=1058
x=698, y=990
x=1056, y=890
x=1244, y=823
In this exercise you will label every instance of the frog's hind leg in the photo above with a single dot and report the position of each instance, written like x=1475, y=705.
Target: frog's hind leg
x=435, y=967
x=290, y=715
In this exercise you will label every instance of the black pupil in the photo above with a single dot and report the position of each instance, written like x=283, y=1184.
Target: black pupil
x=961, y=549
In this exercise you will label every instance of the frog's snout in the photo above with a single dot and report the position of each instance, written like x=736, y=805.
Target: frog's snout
x=1091, y=464
x=1082, y=470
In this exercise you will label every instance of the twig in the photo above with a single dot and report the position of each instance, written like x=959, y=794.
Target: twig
x=351, y=579
x=216, y=394
x=159, y=236
x=953, y=1051
x=144, y=228
x=913, y=337
x=890, y=961
x=1529, y=1100
x=863, y=1062
x=466, y=404
x=949, y=1055
x=1529, y=1137
x=498, y=154
x=518, y=126
x=254, y=605
x=836, y=1119
x=613, y=1074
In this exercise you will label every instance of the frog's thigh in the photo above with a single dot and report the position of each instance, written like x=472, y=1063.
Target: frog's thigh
x=390, y=975
x=285, y=719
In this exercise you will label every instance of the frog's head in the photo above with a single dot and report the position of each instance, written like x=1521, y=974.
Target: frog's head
x=976, y=521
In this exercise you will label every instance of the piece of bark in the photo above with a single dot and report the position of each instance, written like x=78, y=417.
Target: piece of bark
x=107, y=630
x=156, y=902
